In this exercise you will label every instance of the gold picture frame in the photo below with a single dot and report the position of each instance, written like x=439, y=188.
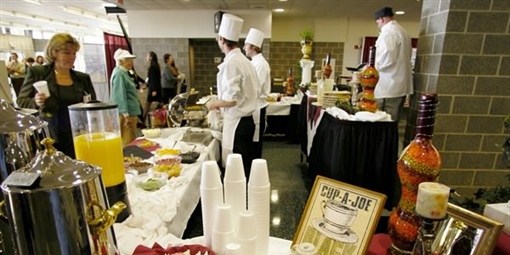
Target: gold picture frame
x=482, y=232
x=339, y=218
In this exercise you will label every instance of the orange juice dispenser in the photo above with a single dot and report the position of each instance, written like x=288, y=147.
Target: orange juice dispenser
x=97, y=141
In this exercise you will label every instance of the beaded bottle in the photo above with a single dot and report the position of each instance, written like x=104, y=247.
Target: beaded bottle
x=369, y=79
x=419, y=162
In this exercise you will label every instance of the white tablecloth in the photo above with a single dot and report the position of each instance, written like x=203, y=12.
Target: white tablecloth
x=164, y=213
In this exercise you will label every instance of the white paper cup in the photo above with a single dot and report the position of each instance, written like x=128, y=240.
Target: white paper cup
x=259, y=176
x=233, y=249
x=210, y=178
x=42, y=87
x=234, y=171
x=223, y=222
x=246, y=228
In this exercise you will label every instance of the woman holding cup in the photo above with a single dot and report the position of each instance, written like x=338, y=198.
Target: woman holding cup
x=53, y=87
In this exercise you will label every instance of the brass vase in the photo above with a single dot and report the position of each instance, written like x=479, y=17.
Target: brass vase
x=306, y=48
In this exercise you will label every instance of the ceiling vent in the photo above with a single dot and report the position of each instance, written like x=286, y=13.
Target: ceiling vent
x=258, y=6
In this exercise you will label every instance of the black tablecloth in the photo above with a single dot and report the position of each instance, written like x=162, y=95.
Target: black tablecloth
x=360, y=153
x=285, y=124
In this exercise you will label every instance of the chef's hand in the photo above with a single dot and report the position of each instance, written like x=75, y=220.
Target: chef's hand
x=40, y=99
x=154, y=93
x=212, y=106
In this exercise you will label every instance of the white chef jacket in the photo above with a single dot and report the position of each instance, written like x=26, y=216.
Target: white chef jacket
x=264, y=77
x=236, y=81
x=393, y=61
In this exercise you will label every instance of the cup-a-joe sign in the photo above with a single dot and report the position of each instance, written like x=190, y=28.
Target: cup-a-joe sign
x=339, y=218
x=354, y=200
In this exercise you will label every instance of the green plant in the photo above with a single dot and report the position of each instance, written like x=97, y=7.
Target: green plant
x=482, y=197
x=306, y=34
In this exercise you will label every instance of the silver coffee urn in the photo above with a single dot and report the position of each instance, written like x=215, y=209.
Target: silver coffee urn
x=21, y=134
x=58, y=206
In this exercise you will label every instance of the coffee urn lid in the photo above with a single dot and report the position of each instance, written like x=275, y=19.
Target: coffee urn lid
x=92, y=105
x=14, y=121
x=49, y=169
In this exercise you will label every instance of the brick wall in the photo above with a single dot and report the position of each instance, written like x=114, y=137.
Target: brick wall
x=464, y=56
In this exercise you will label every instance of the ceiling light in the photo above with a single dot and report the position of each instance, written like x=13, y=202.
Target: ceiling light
x=282, y=0
x=279, y=10
x=109, y=5
x=33, y=2
x=400, y=12
x=81, y=12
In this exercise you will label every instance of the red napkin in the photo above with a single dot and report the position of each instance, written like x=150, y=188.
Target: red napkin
x=158, y=250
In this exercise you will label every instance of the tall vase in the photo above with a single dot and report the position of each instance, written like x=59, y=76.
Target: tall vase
x=419, y=162
x=306, y=48
x=369, y=79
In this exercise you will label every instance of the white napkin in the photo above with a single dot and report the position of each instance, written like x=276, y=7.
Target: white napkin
x=339, y=113
x=370, y=116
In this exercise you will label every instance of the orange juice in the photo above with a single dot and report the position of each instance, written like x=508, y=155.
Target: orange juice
x=103, y=150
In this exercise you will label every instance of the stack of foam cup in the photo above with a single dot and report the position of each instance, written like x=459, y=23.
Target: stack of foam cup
x=246, y=233
x=211, y=196
x=223, y=229
x=234, y=185
x=259, y=190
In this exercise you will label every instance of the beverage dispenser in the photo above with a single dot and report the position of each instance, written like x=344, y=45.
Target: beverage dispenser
x=97, y=141
x=57, y=206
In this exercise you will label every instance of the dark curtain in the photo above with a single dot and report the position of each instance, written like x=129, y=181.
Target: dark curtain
x=111, y=44
x=360, y=153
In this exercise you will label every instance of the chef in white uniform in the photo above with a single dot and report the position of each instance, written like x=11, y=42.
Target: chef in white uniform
x=253, y=49
x=238, y=91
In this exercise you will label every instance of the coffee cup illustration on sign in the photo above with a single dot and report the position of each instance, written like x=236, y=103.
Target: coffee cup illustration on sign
x=337, y=218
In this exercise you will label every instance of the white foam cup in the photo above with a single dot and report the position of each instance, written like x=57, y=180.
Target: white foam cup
x=234, y=170
x=210, y=178
x=42, y=87
x=259, y=175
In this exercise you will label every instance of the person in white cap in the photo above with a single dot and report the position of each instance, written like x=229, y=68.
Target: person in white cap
x=237, y=85
x=125, y=95
x=253, y=49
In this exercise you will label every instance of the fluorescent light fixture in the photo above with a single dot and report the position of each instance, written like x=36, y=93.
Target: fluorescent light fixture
x=81, y=12
x=33, y=1
x=282, y=0
x=17, y=25
x=400, y=12
x=87, y=14
x=109, y=5
x=279, y=10
x=39, y=18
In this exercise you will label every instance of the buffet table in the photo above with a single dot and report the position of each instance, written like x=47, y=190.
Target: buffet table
x=282, y=118
x=165, y=212
x=360, y=153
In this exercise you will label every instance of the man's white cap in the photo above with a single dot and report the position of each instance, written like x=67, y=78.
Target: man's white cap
x=255, y=37
x=230, y=27
x=122, y=54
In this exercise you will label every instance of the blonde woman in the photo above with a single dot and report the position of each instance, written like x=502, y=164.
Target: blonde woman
x=125, y=95
x=66, y=86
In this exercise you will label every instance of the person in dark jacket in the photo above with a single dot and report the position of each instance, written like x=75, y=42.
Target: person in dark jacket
x=153, y=81
x=66, y=86
x=169, y=79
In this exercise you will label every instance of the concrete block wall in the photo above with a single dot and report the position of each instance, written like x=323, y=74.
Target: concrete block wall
x=464, y=56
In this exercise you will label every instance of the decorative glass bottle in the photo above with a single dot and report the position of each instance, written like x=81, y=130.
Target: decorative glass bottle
x=419, y=162
x=369, y=78
x=327, y=67
x=289, y=90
